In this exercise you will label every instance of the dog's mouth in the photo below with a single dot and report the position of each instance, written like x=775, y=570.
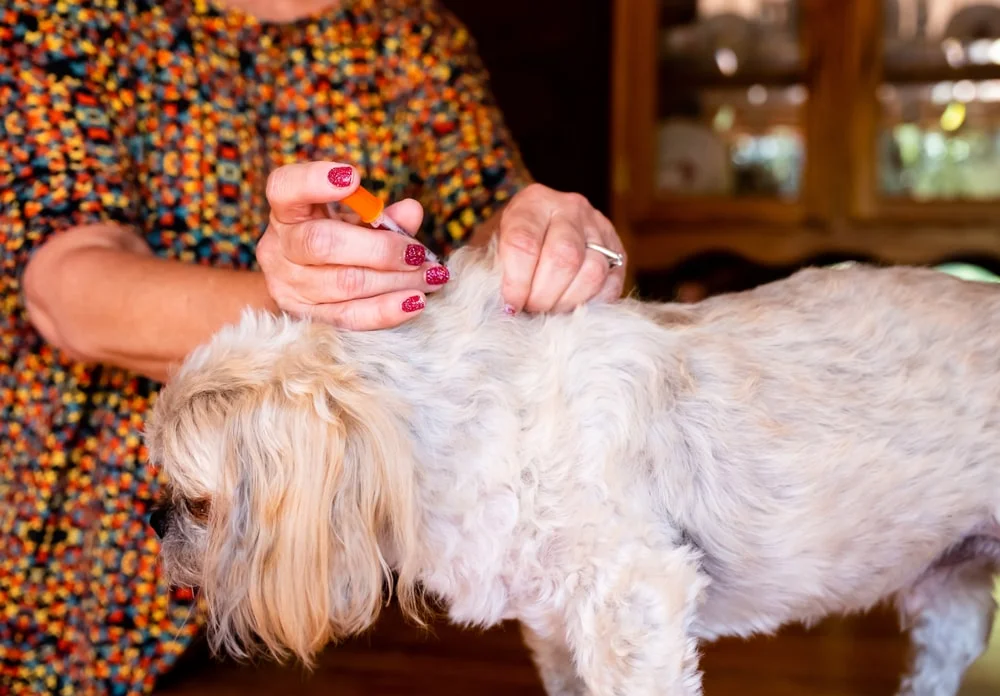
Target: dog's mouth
x=181, y=537
x=180, y=565
x=161, y=514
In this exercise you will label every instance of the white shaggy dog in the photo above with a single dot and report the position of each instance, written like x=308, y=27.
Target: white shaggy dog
x=625, y=481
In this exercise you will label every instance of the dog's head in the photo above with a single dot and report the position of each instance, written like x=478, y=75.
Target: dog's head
x=289, y=496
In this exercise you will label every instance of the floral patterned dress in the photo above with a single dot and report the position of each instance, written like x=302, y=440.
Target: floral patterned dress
x=167, y=115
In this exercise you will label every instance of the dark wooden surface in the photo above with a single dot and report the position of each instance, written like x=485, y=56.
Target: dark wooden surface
x=856, y=657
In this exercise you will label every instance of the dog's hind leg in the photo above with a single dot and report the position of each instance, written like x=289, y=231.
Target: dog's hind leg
x=629, y=625
x=554, y=661
x=949, y=613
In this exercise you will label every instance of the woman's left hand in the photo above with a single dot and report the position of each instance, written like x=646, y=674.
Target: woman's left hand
x=542, y=240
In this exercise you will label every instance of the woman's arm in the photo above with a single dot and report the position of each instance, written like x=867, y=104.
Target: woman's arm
x=99, y=294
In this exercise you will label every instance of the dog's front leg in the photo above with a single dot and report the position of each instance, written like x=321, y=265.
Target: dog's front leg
x=629, y=625
x=553, y=660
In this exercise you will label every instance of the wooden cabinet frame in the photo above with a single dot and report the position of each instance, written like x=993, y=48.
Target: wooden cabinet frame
x=839, y=209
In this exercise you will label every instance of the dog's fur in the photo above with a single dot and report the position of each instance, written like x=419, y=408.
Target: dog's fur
x=626, y=480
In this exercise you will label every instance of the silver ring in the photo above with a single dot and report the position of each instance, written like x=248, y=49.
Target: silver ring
x=614, y=258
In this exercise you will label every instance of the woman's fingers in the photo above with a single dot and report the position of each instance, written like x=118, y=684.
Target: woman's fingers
x=521, y=235
x=596, y=279
x=586, y=284
x=614, y=282
x=407, y=213
x=563, y=255
x=331, y=284
x=294, y=190
x=372, y=313
x=325, y=241
x=542, y=248
x=327, y=267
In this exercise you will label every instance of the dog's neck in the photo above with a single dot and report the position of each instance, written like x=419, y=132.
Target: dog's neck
x=447, y=379
x=477, y=394
x=438, y=371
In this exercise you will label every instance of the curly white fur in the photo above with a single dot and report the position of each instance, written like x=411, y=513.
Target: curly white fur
x=625, y=481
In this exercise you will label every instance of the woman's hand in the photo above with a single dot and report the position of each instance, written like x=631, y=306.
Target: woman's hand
x=336, y=271
x=542, y=239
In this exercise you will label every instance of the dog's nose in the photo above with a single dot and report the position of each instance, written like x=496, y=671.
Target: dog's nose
x=158, y=521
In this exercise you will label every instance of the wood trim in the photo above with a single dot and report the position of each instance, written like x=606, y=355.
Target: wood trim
x=863, y=74
x=659, y=249
x=825, y=32
x=953, y=213
x=644, y=70
x=709, y=209
x=938, y=73
x=622, y=177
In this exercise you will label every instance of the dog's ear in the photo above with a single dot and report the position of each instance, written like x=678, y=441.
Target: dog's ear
x=312, y=484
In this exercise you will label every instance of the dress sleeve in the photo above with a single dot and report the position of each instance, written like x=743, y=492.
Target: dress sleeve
x=64, y=162
x=463, y=158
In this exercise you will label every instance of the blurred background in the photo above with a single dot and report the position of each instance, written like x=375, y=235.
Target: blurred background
x=732, y=142
x=736, y=140
x=751, y=137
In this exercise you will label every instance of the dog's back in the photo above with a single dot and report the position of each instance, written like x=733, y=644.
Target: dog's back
x=842, y=432
x=823, y=438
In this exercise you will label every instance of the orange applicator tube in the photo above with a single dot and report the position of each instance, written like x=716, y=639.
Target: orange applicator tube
x=371, y=210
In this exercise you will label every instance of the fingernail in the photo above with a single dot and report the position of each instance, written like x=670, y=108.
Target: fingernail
x=341, y=177
x=437, y=275
x=508, y=309
x=413, y=304
x=415, y=255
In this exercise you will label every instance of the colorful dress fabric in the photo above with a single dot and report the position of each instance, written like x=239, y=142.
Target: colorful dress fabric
x=167, y=115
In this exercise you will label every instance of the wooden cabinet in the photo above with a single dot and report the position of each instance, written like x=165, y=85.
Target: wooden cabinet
x=787, y=130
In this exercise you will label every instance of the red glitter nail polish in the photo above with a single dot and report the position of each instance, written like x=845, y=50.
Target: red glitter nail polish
x=437, y=275
x=341, y=177
x=415, y=255
x=413, y=304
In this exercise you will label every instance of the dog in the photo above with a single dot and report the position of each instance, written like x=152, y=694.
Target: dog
x=626, y=481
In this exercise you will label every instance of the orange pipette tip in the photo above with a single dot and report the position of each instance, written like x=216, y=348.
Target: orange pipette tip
x=366, y=204
x=369, y=208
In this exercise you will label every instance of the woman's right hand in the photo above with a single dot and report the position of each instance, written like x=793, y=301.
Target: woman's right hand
x=336, y=271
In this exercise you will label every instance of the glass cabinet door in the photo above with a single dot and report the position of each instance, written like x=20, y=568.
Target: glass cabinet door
x=731, y=97
x=938, y=102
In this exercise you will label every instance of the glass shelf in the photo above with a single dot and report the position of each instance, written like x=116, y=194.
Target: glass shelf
x=731, y=100
x=939, y=101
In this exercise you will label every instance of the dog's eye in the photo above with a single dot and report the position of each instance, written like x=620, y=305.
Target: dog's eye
x=198, y=508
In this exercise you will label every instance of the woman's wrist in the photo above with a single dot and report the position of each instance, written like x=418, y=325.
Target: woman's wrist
x=99, y=295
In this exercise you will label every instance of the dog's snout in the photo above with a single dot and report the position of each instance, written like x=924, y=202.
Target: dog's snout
x=158, y=521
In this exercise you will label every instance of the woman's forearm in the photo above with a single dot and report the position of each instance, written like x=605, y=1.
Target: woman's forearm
x=112, y=302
